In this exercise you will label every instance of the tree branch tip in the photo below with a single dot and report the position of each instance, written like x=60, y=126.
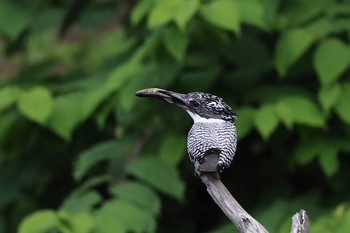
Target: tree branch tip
x=300, y=222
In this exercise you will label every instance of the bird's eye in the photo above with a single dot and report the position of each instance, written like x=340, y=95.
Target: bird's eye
x=194, y=103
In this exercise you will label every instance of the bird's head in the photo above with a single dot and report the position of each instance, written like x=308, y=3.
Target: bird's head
x=202, y=107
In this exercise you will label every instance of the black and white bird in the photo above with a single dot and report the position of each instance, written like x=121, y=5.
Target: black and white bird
x=212, y=140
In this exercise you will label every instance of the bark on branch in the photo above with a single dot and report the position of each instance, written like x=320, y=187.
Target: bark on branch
x=231, y=208
x=237, y=215
x=300, y=222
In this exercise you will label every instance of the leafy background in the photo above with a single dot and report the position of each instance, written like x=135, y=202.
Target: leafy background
x=80, y=153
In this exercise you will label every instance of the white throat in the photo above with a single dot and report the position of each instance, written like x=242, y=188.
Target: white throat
x=196, y=118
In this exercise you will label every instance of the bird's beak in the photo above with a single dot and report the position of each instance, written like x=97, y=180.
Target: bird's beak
x=168, y=96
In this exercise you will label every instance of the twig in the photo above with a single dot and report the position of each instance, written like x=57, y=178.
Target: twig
x=231, y=208
x=300, y=222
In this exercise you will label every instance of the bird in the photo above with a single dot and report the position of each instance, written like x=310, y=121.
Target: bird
x=212, y=139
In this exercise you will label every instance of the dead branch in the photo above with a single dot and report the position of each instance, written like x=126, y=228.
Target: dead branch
x=300, y=222
x=237, y=215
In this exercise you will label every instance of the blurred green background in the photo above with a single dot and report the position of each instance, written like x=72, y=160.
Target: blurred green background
x=79, y=153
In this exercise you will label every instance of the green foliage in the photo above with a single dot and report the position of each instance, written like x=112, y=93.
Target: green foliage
x=341, y=107
x=42, y=221
x=131, y=217
x=19, y=16
x=331, y=60
x=246, y=124
x=179, y=11
x=173, y=149
x=36, y=104
x=336, y=221
x=80, y=153
x=301, y=110
x=290, y=47
x=176, y=43
x=328, y=96
x=159, y=174
x=223, y=14
x=139, y=194
x=266, y=120
x=100, y=152
x=8, y=96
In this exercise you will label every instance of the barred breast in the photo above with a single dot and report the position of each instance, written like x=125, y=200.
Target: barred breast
x=211, y=146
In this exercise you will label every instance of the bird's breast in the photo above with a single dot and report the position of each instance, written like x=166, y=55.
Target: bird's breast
x=204, y=136
x=212, y=131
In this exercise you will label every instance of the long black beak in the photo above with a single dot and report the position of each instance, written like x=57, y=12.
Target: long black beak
x=168, y=96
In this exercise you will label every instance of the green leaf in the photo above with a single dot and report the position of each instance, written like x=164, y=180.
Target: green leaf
x=166, y=72
x=331, y=59
x=124, y=72
x=90, y=100
x=72, y=109
x=321, y=27
x=329, y=162
x=340, y=25
x=223, y=14
x=329, y=95
x=265, y=120
x=132, y=218
x=252, y=12
x=78, y=203
x=105, y=223
x=290, y=47
x=126, y=103
x=181, y=11
x=65, y=115
x=245, y=121
x=304, y=11
x=8, y=96
x=17, y=14
x=185, y=13
x=138, y=194
x=41, y=221
x=92, y=182
x=173, y=149
x=301, y=110
x=94, y=155
x=306, y=151
x=342, y=107
x=176, y=43
x=36, y=104
x=163, y=13
x=139, y=11
x=285, y=114
x=82, y=222
x=159, y=174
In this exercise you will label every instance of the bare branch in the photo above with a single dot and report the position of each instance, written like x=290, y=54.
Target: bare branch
x=300, y=222
x=232, y=209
